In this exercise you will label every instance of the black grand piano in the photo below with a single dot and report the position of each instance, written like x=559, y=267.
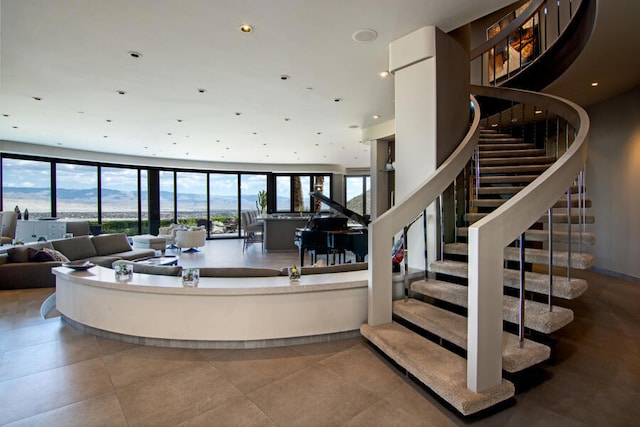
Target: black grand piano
x=331, y=236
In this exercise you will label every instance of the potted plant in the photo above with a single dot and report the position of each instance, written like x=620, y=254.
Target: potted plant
x=261, y=203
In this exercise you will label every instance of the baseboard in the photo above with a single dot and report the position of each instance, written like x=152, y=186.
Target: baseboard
x=616, y=274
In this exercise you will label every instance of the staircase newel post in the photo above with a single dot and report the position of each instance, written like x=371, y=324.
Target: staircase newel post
x=484, y=321
x=380, y=292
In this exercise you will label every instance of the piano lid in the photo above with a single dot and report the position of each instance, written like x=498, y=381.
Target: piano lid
x=344, y=211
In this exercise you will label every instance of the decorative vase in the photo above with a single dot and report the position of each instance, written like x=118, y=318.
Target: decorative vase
x=190, y=277
x=294, y=274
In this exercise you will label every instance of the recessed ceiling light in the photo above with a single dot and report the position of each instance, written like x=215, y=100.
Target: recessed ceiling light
x=286, y=119
x=337, y=99
x=353, y=126
x=80, y=112
x=237, y=113
x=202, y=90
x=175, y=143
x=105, y=136
x=246, y=28
x=594, y=84
x=495, y=125
x=169, y=133
x=122, y=92
x=384, y=74
x=284, y=77
x=108, y=120
x=538, y=112
x=36, y=98
x=375, y=116
x=309, y=88
x=5, y=115
x=15, y=127
x=365, y=36
x=179, y=120
x=134, y=54
x=318, y=133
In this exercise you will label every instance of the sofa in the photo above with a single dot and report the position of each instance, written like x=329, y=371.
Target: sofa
x=28, y=266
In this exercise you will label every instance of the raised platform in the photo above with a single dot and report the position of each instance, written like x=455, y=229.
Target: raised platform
x=219, y=313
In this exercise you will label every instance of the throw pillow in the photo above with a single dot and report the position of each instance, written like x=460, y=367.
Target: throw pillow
x=41, y=256
x=57, y=255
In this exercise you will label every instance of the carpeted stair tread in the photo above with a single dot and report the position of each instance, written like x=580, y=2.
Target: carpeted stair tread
x=453, y=328
x=531, y=152
x=489, y=170
x=498, y=161
x=579, y=260
x=507, y=189
x=557, y=217
x=562, y=203
x=534, y=282
x=498, y=139
x=506, y=179
x=585, y=238
x=537, y=315
x=442, y=371
x=497, y=146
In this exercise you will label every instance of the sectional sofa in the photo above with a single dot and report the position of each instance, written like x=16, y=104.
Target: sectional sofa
x=29, y=266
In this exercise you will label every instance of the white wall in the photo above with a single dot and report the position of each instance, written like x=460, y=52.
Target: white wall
x=613, y=183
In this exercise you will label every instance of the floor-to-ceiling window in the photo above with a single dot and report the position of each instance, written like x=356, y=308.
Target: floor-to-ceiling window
x=223, y=204
x=26, y=184
x=357, y=194
x=119, y=198
x=167, y=198
x=293, y=192
x=191, y=197
x=77, y=191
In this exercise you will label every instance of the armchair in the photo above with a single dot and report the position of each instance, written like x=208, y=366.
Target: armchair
x=191, y=239
x=169, y=233
x=8, y=223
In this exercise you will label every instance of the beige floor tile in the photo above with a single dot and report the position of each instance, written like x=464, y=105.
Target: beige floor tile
x=316, y=396
x=47, y=331
x=329, y=348
x=107, y=346
x=384, y=414
x=8, y=306
x=44, y=391
x=141, y=363
x=235, y=412
x=251, y=369
x=100, y=411
x=42, y=357
x=420, y=405
x=175, y=397
x=357, y=365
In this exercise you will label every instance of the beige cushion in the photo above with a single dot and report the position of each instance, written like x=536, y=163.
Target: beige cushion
x=76, y=247
x=107, y=244
x=238, y=272
x=158, y=270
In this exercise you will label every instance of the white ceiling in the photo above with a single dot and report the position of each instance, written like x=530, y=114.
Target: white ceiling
x=74, y=56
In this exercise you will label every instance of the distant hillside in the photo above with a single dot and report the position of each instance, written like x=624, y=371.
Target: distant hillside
x=38, y=199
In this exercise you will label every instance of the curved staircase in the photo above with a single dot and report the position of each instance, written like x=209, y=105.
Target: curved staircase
x=434, y=333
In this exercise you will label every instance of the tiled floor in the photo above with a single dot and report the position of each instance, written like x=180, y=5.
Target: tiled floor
x=51, y=374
